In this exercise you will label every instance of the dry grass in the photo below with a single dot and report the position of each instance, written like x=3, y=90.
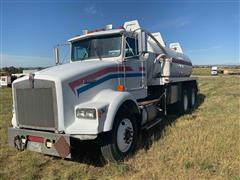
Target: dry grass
x=201, y=71
x=204, y=144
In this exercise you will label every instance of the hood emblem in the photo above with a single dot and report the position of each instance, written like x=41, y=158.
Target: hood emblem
x=31, y=80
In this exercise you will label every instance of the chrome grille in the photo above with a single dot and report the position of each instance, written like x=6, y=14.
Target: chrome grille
x=36, y=107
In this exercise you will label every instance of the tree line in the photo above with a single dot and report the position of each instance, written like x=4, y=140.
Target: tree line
x=14, y=70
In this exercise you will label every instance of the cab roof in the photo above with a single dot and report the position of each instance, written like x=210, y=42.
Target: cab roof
x=97, y=33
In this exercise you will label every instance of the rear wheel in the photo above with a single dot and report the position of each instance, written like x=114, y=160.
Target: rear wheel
x=124, y=140
x=192, y=97
x=183, y=103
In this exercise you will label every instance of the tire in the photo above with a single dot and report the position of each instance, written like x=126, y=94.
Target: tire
x=192, y=97
x=124, y=137
x=183, y=104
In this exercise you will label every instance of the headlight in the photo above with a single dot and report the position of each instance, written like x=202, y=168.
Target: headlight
x=86, y=113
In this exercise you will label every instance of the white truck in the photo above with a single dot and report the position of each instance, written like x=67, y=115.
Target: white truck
x=214, y=71
x=119, y=82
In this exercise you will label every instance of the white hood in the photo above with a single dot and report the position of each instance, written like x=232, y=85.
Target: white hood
x=71, y=70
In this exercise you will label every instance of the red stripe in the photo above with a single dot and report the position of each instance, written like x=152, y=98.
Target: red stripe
x=179, y=61
x=35, y=139
x=141, y=68
x=93, y=76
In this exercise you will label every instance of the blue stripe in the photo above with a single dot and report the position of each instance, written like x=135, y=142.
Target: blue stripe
x=110, y=76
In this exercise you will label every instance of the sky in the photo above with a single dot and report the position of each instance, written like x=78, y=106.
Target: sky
x=207, y=30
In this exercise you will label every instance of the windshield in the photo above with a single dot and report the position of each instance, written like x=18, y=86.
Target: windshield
x=97, y=47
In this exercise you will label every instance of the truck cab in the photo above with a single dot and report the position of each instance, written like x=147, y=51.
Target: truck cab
x=116, y=46
x=117, y=84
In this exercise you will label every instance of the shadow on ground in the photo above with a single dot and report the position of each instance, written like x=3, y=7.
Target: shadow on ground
x=157, y=132
x=89, y=152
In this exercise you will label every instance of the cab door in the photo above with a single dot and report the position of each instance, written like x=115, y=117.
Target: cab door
x=135, y=71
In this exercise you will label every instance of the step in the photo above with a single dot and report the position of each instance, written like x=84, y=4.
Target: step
x=151, y=124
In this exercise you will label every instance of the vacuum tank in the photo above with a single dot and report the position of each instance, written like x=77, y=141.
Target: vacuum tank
x=168, y=62
x=162, y=61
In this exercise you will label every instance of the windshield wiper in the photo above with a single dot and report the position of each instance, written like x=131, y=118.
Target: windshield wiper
x=86, y=52
x=96, y=50
x=84, y=56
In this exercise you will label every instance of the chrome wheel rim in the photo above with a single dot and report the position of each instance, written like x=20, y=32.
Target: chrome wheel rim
x=193, y=97
x=185, y=102
x=125, y=135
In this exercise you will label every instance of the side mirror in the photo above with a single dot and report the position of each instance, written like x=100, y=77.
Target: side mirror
x=57, y=57
x=58, y=50
x=142, y=45
x=142, y=42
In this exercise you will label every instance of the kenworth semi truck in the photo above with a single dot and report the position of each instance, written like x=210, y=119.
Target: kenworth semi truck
x=119, y=83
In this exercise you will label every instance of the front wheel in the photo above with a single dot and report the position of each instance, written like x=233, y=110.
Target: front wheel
x=124, y=137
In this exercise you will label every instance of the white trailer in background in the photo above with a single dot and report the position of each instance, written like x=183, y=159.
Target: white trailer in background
x=119, y=83
x=5, y=80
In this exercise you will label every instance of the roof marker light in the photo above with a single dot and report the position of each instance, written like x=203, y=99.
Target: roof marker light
x=109, y=27
x=85, y=31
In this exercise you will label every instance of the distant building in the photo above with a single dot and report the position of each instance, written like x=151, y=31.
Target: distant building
x=5, y=80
